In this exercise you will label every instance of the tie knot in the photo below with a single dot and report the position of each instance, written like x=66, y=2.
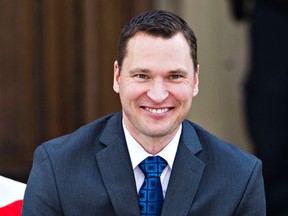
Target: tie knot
x=153, y=166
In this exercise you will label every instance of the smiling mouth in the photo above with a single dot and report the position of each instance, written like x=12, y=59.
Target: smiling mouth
x=157, y=111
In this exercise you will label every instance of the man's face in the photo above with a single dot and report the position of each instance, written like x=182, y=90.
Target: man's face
x=156, y=84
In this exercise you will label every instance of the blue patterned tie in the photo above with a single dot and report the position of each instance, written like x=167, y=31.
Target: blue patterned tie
x=150, y=195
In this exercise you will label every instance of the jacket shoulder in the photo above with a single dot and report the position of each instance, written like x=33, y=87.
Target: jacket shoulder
x=84, y=138
x=213, y=148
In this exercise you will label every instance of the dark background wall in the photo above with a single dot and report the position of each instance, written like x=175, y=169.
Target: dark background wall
x=56, y=70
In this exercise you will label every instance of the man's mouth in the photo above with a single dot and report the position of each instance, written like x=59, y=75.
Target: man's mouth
x=157, y=111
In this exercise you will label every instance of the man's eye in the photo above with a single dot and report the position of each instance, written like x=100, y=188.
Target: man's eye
x=175, y=76
x=141, y=76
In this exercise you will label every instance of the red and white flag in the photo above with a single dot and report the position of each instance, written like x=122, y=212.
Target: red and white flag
x=11, y=197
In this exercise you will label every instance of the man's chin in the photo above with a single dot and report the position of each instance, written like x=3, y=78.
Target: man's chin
x=157, y=132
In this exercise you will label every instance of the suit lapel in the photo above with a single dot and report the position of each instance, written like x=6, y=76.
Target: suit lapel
x=186, y=174
x=116, y=169
x=117, y=173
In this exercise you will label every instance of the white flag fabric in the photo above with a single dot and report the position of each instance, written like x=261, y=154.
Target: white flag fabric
x=11, y=196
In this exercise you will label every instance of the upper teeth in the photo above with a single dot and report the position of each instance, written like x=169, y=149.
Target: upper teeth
x=157, y=110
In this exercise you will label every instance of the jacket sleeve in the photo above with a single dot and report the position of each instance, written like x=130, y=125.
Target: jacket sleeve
x=41, y=195
x=253, y=202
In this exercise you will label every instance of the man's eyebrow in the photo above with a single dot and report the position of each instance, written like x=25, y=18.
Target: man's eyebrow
x=137, y=70
x=178, y=71
x=145, y=70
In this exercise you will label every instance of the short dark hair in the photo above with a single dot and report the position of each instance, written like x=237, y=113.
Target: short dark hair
x=157, y=23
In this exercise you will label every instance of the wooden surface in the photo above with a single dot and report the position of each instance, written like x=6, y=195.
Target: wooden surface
x=56, y=70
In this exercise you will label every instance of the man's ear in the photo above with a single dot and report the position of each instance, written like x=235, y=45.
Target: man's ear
x=196, y=81
x=116, y=77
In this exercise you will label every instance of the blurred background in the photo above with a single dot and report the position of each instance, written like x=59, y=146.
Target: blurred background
x=56, y=69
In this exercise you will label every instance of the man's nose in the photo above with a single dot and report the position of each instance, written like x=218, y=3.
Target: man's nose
x=157, y=91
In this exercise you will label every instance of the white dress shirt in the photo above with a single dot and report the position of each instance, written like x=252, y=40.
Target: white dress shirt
x=138, y=154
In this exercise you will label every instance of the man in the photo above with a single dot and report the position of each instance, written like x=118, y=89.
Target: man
x=97, y=170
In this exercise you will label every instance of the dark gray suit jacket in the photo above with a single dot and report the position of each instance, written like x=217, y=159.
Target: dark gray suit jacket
x=89, y=172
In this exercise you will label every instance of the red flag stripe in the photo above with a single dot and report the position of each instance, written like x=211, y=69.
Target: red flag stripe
x=13, y=209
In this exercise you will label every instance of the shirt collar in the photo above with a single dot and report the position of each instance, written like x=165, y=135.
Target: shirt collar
x=137, y=152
